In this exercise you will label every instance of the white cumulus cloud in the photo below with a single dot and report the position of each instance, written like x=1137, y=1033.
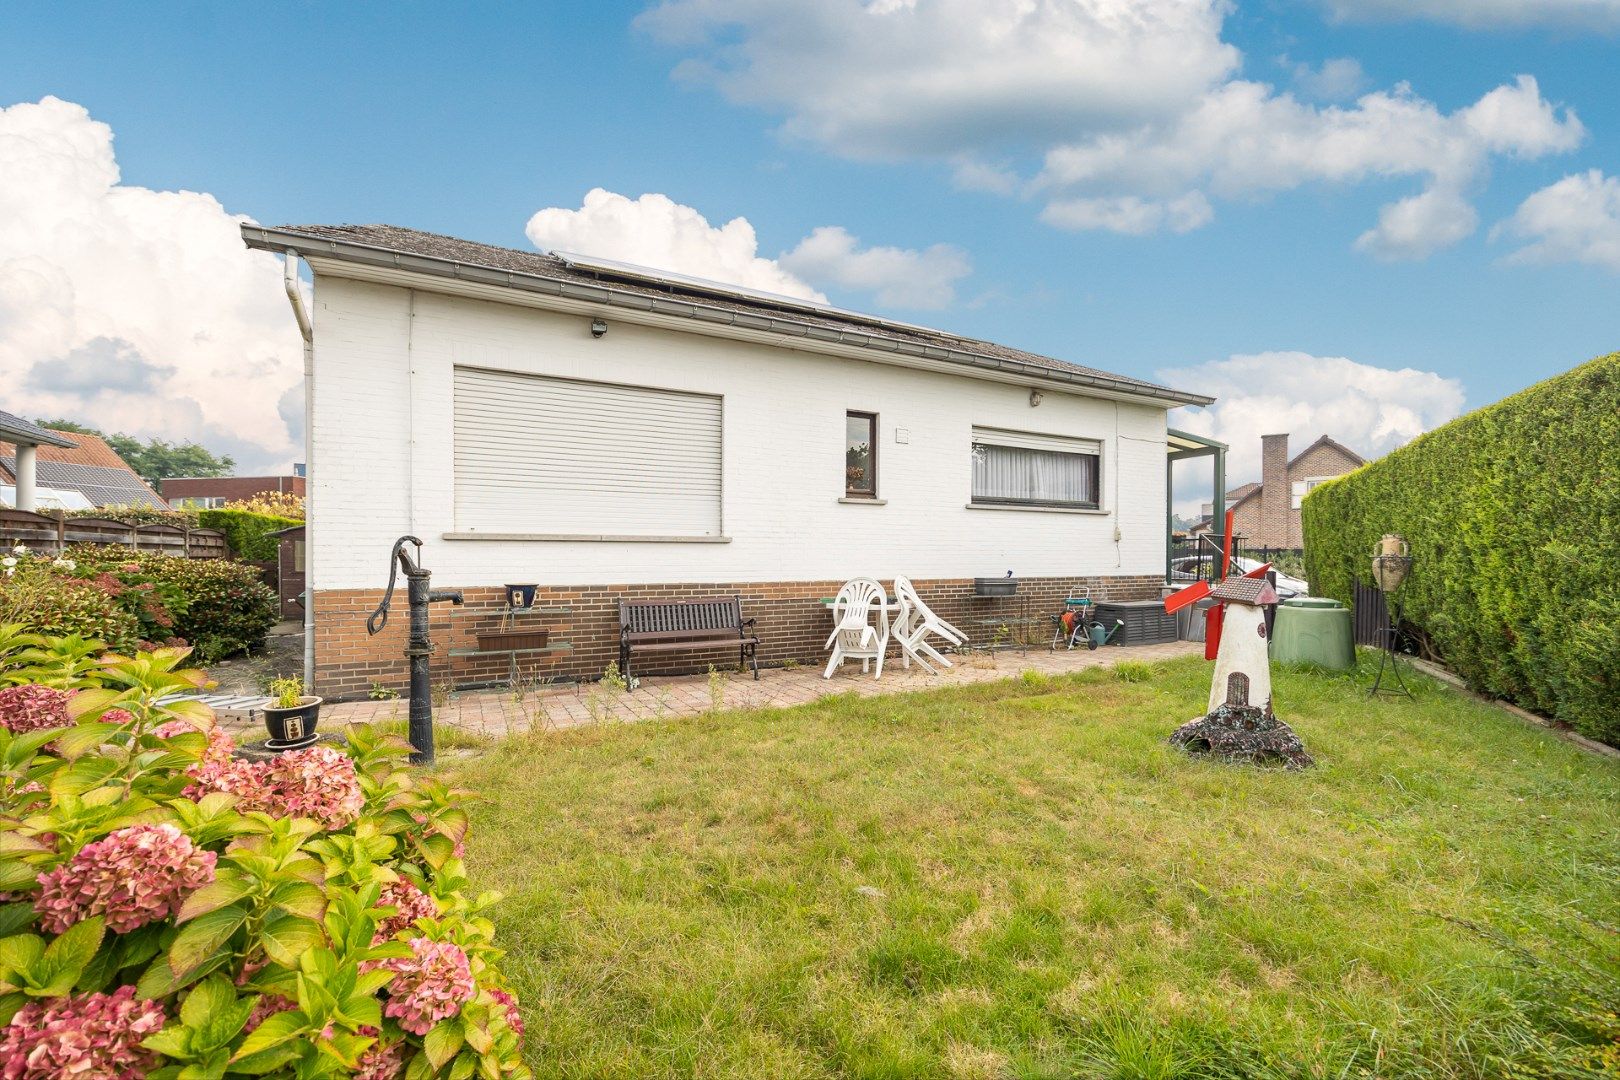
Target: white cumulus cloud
x=131, y=309
x=1486, y=14
x=897, y=277
x=1244, y=140
x=938, y=77
x=656, y=231
x=1576, y=220
x=1372, y=410
x=1124, y=115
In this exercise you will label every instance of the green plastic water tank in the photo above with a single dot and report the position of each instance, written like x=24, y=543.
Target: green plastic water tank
x=1316, y=630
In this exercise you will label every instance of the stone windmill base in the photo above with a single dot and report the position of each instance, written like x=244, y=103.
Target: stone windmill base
x=1243, y=733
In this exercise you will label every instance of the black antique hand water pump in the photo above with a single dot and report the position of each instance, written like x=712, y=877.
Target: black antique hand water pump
x=418, y=648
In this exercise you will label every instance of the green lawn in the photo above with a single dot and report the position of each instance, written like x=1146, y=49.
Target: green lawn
x=1021, y=879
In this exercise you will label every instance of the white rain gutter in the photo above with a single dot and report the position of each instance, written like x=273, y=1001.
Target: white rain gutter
x=295, y=296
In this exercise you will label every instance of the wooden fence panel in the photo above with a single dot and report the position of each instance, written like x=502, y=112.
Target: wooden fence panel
x=45, y=533
x=206, y=544
x=35, y=530
x=166, y=539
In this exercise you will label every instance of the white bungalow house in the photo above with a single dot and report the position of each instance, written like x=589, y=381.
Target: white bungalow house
x=608, y=431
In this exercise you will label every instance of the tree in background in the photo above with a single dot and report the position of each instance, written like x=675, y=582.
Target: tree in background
x=155, y=459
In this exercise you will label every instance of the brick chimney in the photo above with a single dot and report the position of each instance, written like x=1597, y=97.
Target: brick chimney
x=1276, y=494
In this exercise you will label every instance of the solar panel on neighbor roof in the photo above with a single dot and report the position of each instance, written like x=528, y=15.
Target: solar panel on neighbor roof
x=721, y=288
x=101, y=484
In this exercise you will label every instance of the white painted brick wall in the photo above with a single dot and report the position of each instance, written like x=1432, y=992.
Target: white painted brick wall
x=382, y=455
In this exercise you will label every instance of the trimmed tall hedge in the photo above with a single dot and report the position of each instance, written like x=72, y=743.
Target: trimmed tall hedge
x=1513, y=516
x=248, y=533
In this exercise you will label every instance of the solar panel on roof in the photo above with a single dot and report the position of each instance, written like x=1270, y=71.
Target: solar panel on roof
x=101, y=484
x=722, y=288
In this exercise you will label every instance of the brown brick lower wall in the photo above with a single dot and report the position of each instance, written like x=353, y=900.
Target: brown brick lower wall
x=792, y=625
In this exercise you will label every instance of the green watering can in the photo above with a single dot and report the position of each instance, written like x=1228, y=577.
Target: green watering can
x=1102, y=635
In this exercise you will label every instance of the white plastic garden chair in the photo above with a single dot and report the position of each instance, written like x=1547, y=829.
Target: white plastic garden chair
x=915, y=623
x=860, y=626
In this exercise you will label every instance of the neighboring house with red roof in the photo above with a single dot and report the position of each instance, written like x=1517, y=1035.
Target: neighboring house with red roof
x=87, y=473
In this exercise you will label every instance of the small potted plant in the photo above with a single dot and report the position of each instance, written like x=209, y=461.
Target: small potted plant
x=290, y=714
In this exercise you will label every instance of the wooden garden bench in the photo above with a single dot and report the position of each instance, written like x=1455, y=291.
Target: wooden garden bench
x=671, y=625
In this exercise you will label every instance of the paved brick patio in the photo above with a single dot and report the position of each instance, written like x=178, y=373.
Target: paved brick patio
x=501, y=712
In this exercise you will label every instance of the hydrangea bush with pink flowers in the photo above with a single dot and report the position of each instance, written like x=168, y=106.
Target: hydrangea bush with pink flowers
x=170, y=910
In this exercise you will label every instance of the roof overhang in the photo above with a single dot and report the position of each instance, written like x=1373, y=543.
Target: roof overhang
x=1184, y=444
x=32, y=436
x=343, y=258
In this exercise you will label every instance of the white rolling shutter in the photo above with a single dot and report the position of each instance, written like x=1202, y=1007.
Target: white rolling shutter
x=1030, y=440
x=535, y=454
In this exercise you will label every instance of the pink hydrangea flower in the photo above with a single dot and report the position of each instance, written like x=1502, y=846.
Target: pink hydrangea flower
x=220, y=744
x=133, y=876
x=319, y=783
x=381, y=1061
x=267, y=1006
x=84, y=1037
x=218, y=769
x=33, y=708
x=514, y=1019
x=433, y=983
x=241, y=778
x=409, y=904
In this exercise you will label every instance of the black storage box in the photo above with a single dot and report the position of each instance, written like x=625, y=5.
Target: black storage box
x=995, y=586
x=1146, y=622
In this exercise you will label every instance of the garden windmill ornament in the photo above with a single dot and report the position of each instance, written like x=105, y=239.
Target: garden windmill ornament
x=1240, y=725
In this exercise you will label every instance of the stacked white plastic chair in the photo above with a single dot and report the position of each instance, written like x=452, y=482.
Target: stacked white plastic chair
x=860, y=626
x=916, y=623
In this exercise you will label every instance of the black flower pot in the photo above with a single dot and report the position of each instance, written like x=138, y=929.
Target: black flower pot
x=521, y=597
x=294, y=727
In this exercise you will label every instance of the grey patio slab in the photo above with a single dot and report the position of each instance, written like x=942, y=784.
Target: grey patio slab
x=496, y=713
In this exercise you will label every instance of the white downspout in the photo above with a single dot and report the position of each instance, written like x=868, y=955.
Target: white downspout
x=25, y=476
x=295, y=296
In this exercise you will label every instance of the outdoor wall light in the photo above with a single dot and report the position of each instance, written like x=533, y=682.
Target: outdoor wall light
x=1035, y=398
x=598, y=327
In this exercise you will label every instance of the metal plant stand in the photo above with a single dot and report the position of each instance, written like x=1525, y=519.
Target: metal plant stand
x=1391, y=570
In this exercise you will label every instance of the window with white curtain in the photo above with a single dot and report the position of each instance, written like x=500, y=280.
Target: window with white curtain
x=1017, y=468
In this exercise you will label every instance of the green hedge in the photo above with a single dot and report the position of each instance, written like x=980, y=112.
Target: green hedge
x=248, y=534
x=218, y=606
x=1513, y=516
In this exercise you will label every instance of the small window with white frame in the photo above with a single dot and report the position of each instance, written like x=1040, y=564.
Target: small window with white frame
x=1302, y=488
x=1027, y=469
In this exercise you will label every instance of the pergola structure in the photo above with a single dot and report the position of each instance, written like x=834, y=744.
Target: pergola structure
x=28, y=439
x=1182, y=445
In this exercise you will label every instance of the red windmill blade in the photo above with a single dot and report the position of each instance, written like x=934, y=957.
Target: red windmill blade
x=1200, y=589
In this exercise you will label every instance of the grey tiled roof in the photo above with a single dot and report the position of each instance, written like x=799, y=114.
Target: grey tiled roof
x=1245, y=590
x=449, y=250
x=15, y=429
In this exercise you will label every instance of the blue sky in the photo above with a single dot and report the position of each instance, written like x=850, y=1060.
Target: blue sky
x=468, y=121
